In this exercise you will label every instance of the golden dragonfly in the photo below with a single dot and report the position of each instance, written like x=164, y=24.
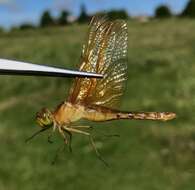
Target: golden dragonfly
x=105, y=52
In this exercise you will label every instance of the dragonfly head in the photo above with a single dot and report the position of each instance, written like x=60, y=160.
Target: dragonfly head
x=44, y=118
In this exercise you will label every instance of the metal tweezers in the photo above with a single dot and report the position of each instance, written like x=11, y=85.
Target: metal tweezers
x=11, y=67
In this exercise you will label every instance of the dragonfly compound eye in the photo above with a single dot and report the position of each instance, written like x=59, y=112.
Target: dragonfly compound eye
x=44, y=118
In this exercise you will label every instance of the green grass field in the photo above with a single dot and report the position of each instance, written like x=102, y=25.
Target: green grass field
x=148, y=155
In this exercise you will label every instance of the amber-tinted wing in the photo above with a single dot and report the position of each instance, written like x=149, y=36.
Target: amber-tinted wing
x=105, y=52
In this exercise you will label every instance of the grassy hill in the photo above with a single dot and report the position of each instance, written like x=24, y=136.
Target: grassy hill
x=148, y=155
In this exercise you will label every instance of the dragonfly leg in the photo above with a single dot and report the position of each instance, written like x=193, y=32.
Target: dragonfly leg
x=70, y=139
x=85, y=127
x=60, y=149
x=107, y=135
x=36, y=133
x=96, y=151
x=76, y=131
x=51, y=133
x=54, y=127
x=102, y=134
x=91, y=142
x=50, y=137
x=61, y=131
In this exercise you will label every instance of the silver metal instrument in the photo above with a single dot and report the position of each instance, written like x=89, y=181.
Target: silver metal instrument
x=11, y=67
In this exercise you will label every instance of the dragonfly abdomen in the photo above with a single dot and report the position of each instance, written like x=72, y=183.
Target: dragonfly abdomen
x=161, y=116
x=105, y=114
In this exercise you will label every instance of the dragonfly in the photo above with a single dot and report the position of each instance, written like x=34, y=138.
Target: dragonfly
x=93, y=99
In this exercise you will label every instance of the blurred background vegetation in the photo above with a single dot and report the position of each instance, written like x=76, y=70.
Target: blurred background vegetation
x=147, y=155
x=65, y=17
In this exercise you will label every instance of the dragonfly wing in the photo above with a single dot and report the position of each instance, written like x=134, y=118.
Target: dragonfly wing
x=106, y=53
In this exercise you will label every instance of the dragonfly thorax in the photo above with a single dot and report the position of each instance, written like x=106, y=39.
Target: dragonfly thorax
x=67, y=113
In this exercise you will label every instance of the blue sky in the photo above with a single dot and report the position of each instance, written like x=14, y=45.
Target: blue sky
x=14, y=12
